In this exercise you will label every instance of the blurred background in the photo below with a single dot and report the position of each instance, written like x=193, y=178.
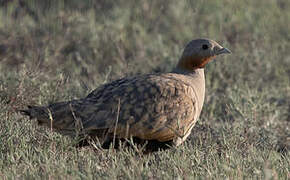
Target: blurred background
x=56, y=50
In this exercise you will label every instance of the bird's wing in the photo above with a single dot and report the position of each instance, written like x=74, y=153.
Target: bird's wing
x=158, y=107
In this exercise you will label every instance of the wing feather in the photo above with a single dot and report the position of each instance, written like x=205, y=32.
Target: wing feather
x=159, y=107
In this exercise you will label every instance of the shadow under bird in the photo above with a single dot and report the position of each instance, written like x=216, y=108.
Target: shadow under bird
x=160, y=109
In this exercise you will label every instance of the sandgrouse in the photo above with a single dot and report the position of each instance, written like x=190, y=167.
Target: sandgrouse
x=161, y=107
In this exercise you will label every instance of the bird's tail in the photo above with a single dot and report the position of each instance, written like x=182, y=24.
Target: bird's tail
x=36, y=112
x=58, y=116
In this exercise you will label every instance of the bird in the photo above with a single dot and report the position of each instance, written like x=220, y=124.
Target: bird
x=159, y=108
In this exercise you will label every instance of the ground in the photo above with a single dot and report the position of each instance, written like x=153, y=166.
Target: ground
x=61, y=50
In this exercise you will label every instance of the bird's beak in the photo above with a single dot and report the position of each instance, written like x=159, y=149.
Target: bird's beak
x=223, y=51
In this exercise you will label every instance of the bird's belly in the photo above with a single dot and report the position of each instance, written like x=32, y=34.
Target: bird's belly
x=164, y=130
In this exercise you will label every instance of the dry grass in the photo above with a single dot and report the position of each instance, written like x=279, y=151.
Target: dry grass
x=60, y=50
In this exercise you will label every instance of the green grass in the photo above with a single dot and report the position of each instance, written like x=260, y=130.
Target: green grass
x=61, y=50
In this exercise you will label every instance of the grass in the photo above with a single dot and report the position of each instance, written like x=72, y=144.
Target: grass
x=61, y=50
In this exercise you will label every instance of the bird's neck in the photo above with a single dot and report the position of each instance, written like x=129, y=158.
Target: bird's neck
x=189, y=63
x=196, y=72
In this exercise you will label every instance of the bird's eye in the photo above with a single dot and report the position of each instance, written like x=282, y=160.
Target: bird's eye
x=205, y=46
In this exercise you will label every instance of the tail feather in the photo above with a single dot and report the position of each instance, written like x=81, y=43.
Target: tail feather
x=64, y=117
x=59, y=113
x=36, y=112
x=25, y=112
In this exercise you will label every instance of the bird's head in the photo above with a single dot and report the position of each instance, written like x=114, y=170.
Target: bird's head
x=198, y=53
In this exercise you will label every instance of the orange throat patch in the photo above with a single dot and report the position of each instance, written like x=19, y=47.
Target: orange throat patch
x=190, y=63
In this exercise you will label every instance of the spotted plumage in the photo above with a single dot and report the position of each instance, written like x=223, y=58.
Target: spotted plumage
x=160, y=107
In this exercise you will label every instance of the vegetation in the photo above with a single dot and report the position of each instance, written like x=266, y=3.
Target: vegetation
x=55, y=50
